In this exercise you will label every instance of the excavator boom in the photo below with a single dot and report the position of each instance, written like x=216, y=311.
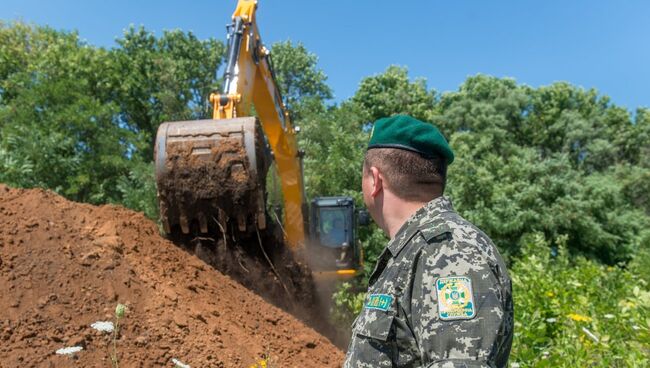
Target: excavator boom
x=211, y=173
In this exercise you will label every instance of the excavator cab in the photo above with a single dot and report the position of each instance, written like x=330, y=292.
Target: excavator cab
x=333, y=246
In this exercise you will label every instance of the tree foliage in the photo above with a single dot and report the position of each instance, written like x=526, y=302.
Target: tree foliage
x=549, y=160
x=81, y=120
x=163, y=79
x=57, y=131
x=297, y=74
x=392, y=92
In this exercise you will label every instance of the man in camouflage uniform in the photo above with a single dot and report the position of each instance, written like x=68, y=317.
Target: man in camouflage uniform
x=440, y=295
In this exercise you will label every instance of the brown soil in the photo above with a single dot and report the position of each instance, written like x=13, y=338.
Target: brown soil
x=65, y=265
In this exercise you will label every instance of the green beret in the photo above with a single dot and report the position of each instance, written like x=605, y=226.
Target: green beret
x=405, y=132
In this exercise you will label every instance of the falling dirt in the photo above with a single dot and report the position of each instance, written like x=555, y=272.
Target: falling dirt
x=264, y=266
x=64, y=266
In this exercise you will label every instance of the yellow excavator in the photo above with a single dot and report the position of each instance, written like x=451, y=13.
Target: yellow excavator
x=211, y=173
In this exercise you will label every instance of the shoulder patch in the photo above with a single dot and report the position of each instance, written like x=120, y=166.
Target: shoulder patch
x=455, y=298
x=379, y=301
x=436, y=232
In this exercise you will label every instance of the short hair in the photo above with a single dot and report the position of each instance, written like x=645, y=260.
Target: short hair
x=407, y=174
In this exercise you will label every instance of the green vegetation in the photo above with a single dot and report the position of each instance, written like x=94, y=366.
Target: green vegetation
x=558, y=176
x=81, y=120
x=575, y=312
x=120, y=310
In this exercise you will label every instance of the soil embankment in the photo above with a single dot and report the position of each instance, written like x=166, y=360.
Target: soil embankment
x=65, y=265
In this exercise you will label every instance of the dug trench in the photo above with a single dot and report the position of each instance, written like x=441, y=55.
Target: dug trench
x=66, y=265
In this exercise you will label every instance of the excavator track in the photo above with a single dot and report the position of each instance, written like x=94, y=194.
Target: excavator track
x=210, y=176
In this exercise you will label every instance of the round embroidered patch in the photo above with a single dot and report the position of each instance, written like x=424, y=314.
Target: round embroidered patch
x=455, y=298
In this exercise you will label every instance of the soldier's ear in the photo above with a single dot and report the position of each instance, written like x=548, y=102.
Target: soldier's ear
x=377, y=182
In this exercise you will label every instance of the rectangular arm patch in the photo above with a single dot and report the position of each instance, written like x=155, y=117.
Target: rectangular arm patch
x=455, y=298
x=379, y=301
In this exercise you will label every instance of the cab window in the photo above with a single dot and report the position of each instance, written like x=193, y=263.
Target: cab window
x=332, y=227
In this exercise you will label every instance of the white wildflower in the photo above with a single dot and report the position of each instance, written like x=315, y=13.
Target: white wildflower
x=178, y=363
x=608, y=316
x=636, y=328
x=103, y=326
x=590, y=334
x=551, y=320
x=69, y=350
x=515, y=365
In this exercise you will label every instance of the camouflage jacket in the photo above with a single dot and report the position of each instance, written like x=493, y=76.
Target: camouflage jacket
x=440, y=296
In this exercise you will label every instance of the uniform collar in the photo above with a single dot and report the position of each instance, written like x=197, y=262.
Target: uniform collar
x=430, y=210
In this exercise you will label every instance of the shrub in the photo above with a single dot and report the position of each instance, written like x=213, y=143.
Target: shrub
x=573, y=312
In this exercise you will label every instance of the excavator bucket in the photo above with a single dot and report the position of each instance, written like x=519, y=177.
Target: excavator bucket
x=210, y=175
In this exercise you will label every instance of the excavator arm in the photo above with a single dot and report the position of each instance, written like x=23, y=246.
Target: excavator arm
x=249, y=80
x=211, y=173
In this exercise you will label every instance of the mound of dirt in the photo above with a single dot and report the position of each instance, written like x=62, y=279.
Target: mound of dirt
x=64, y=266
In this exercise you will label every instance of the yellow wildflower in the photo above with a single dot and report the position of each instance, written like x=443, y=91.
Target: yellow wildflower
x=261, y=364
x=579, y=317
x=550, y=294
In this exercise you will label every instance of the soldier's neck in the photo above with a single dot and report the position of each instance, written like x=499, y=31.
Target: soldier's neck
x=395, y=213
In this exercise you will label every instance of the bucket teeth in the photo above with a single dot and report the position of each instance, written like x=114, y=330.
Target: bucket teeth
x=261, y=211
x=203, y=222
x=166, y=227
x=261, y=221
x=163, y=216
x=185, y=226
x=222, y=220
x=241, y=222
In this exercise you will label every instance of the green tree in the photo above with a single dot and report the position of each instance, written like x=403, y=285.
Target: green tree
x=163, y=79
x=543, y=160
x=392, y=92
x=81, y=120
x=56, y=132
x=297, y=75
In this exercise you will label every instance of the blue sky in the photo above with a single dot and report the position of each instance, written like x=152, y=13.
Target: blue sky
x=599, y=44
